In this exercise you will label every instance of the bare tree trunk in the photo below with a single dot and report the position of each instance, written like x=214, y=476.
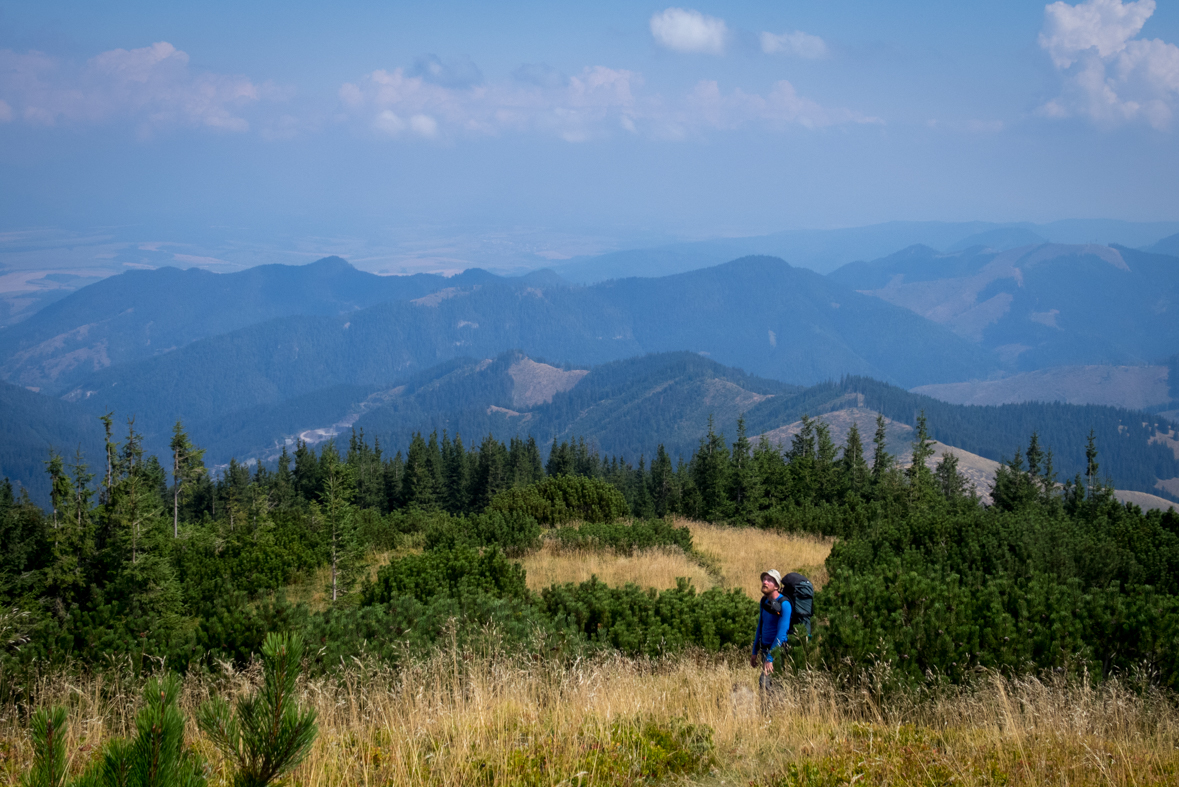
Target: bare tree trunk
x=334, y=593
x=176, y=493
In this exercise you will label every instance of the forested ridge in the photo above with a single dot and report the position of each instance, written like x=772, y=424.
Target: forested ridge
x=152, y=561
x=624, y=408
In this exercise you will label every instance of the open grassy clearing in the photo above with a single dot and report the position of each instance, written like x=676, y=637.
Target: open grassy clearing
x=656, y=568
x=732, y=557
x=742, y=553
x=497, y=720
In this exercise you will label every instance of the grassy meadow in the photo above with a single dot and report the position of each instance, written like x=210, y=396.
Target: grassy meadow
x=493, y=717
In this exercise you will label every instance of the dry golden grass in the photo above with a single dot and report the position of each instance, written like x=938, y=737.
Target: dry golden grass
x=656, y=568
x=496, y=720
x=743, y=553
x=735, y=558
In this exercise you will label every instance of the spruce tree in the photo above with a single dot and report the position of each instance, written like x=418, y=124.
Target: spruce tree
x=458, y=480
x=826, y=477
x=709, y=472
x=1091, y=465
x=662, y=483
x=950, y=482
x=491, y=473
x=744, y=490
x=187, y=467
x=561, y=460
x=881, y=459
x=136, y=547
x=345, y=553
x=418, y=486
x=395, y=482
x=852, y=465
x=918, y=474
x=533, y=466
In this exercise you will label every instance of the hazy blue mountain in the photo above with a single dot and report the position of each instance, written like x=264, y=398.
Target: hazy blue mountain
x=1168, y=245
x=757, y=313
x=142, y=313
x=826, y=250
x=1000, y=239
x=1038, y=306
x=30, y=425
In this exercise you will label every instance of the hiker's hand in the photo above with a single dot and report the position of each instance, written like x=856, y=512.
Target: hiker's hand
x=768, y=667
x=753, y=660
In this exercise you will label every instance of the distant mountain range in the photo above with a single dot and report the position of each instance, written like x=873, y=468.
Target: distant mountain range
x=757, y=313
x=252, y=360
x=826, y=250
x=142, y=313
x=1037, y=306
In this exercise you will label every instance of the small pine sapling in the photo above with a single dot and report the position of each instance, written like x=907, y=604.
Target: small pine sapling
x=267, y=735
x=49, y=749
x=156, y=757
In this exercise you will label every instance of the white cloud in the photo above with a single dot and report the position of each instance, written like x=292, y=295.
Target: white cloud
x=798, y=44
x=423, y=125
x=1110, y=76
x=1102, y=25
x=388, y=122
x=597, y=102
x=152, y=86
x=684, y=30
x=780, y=108
x=575, y=110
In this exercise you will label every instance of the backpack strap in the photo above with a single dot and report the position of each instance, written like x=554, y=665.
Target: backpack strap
x=772, y=605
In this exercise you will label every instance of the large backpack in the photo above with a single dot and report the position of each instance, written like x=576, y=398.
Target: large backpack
x=801, y=594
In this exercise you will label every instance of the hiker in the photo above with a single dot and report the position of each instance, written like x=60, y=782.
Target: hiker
x=773, y=626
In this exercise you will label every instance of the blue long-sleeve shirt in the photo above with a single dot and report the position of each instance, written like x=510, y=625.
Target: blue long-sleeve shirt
x=773, y=625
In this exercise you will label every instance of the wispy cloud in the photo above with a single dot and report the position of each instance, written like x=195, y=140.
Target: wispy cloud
x=796, y=44
x=685, y=30
x=1110, y=75
x=152, y=86
x=576, y=108
x=597, y=102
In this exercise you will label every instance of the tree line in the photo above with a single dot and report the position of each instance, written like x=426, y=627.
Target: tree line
x=144, y=560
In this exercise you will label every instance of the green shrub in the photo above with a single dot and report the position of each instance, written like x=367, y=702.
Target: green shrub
x=638, y=620
x=561, y=499
x=515, y=532
x=456, y=572
x=624, y=537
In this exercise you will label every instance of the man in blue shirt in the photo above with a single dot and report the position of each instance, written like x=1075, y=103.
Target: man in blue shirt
x=773, y=626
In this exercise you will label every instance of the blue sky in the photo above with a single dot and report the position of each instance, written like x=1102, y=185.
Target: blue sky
x=580, y=126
